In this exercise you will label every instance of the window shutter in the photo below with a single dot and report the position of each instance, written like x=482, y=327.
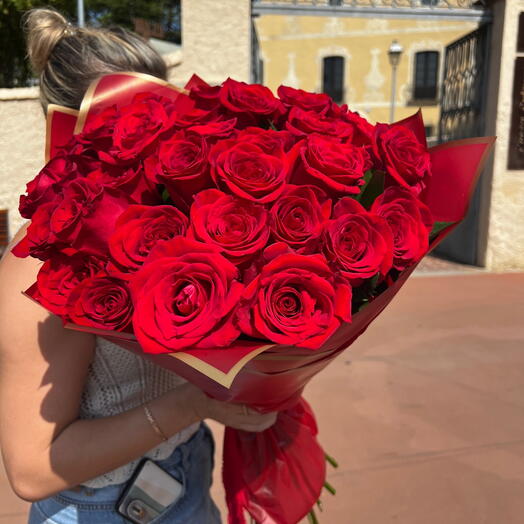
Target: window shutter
x=333, y=78
x=426, y=75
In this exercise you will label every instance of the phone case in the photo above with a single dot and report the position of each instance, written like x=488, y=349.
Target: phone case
x=148, y=494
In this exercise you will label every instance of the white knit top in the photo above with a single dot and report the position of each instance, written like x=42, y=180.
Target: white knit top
x=119, y=380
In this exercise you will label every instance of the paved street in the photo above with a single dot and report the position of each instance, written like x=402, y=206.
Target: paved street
x=425, y=413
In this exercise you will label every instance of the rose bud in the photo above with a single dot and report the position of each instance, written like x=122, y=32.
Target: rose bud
x=84, y=218
x=129, y=179
x=318, y=102
x=237, y=227
x=298, y=217
x=304, y=123
x=102, y=302
x=250, y=102
x=410, y=222
x=137, y=231
x=245, y=169
x=358, y=243
x=295, y=300
x=404, y=158
x=48, y=184
x=181, y=164
x=138, y=126
x=336, y=167
x=59, y=276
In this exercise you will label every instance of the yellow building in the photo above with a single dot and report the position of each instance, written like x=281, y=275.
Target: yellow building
x=348, y=57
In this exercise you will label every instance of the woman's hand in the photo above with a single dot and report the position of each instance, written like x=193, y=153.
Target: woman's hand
x=238, y=416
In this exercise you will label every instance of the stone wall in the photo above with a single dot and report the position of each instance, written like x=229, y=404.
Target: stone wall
x=21, y=147
x=216, y=41
x=505, y=216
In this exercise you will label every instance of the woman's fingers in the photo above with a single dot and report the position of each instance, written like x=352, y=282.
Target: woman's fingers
x=240, y=416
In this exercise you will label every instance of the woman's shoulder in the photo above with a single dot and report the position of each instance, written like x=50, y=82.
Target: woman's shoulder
x=16, y=271
x=18, y=315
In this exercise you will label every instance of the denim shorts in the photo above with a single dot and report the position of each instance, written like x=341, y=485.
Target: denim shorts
x=190, y=463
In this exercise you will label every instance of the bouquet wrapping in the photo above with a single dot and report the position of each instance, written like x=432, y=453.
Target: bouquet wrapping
x=240, y=240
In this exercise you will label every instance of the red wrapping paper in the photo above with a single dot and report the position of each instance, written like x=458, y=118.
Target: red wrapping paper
x=277, y=475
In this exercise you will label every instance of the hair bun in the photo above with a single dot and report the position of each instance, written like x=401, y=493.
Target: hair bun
x=44, y=28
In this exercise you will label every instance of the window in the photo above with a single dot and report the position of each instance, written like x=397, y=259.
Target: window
x=333, y=77
x=430, y=3
x=426, y=75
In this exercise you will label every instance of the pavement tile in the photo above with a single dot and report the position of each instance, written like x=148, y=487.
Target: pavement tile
x=473, y=487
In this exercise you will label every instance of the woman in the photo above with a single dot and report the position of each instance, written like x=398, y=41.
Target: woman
x=76, y=411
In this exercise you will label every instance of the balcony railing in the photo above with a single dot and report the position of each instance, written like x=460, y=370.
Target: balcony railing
x=473, y=10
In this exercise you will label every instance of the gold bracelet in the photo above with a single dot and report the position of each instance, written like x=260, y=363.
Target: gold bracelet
x=153, y=422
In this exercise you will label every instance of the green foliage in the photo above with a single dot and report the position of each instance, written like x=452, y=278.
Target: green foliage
x=438, y=227
x=15, y=70
x=372, y=188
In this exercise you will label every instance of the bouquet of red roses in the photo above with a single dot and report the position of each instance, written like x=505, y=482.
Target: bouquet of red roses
x=240, y=240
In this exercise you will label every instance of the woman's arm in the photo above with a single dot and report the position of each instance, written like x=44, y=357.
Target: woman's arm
x=43, y=368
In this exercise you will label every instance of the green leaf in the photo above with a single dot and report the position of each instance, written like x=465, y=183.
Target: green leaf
x=165, y=196
x=371, y=190
x=373, y=282
x=331, y=460
x=319, y=505
x=367, y=177
x=272, y=126
x=330, y=488
x=438, y=227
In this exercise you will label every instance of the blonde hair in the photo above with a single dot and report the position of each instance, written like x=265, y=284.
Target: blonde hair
x=68, y=58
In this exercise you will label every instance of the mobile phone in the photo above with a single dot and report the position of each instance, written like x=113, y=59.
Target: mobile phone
x=148, y=494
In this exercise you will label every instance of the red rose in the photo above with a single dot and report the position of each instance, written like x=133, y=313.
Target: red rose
x=249, y=172
x=270, y=141
x=410, y=221
x=181, y=164
x=37, y=241
x=137, y=231
x=404, y=158
x=237, y=227
x=185, y=294
x=137, y=127
x=186, y=113
x=319, y=102
x=60, y=275
x=298, y=217
x=84, y=217
x=358, y=243
x=48, y=184
x=206, y=97
x=250, y=100
x=129, y=179
x=363, y=131
x=102, y=302
x=295, y=300
x=304, y=123
x=335, y=166
x=215, y=129
x=98, y=131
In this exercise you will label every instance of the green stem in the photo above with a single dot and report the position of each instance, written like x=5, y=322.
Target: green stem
x=312, y=517
x=332, y=461
x=330, y=488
